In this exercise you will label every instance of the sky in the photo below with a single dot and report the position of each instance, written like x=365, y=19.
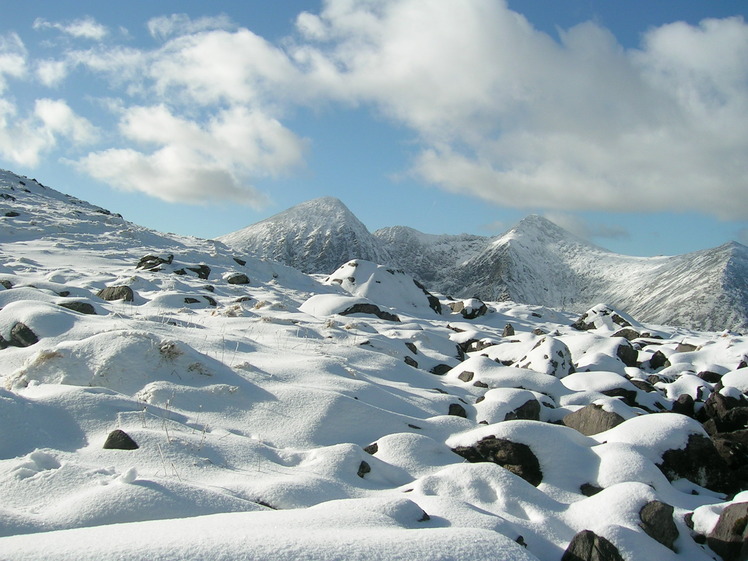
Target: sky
x=624, y=122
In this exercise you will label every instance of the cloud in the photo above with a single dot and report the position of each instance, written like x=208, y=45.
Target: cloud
x=23, y=140
x=587, y=230
x=196, y=163
x=13, y=56
x=508, y=114
x=164, y=27
x=83, y=28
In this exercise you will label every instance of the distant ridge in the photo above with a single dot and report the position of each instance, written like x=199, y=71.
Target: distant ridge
x=536, y=262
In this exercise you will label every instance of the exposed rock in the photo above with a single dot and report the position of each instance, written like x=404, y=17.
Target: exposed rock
x=457, y=410
x=434, y=303
x=120, y=440
x=684, y=405
x=363, y=469
x=589, y=490
x=241, y=262
x=470, y=308
x=440, y=369
x=210, y=300
x=700, y=463
x=369, y=309
x=411, y=347
x=592, y=419
x=466, y=376
x=627, y=333
x=372, y=448
x=113, y=293
x=529, y=411
x=658, y=360
x=237, y=278
x=628, y=354
x=22, y=336
x=202, y=271
x=150, y=262
x=190, y=300
x=508, y=330
x=514, y=456
x=657, y=521
x=80, y=307
x=548, y=356
x=588, y=546
x=711, y=377
x=410, y=361
x=643, y=385
x=729, y=538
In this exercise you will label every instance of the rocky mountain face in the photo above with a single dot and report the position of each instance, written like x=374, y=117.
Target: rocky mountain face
x=315, y=237
x=536, y=262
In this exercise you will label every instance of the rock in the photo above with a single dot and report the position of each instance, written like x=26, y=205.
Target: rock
x=657, y=521
x=363, y=469
x=80, y=307
x=241, y=262
x=729, y=538
x=466, y=376
x=411, y=347
x=627, y=333
x=191, y=300
x=658, y=360
x=22, y=336
x=700, y=463
x=528, y=411
x=150, y=262
x=202, y=271
x=113, y=293
x=628, y=354
x=643, y=385
x=600, y=316
x=210, y=300
x=433, y=301
x=237, y=278
x=372, y=448
x=684, y=405
x=513, y=456
x=120, y=440
x=589, y=490
x=711, y=377
x=472, y=308
x=508, y=330
x=457, y=410
x=410, y=361
x=369, y=309
x=592, y=419
x=548, y=356
x=440, y=369
x=588, y=546
x=733, y=448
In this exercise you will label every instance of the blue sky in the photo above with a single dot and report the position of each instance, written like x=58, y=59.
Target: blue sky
x=625, y=122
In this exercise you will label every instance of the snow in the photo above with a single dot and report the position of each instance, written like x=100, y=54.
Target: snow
x=269, y=426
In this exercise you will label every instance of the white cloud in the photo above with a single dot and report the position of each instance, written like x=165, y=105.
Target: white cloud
x=194, y=163
x=12, y=58
x=585, y=229
x=510, y=115
x=24, y=140
x=164, y=27
x=83, y=28
x=52, y=72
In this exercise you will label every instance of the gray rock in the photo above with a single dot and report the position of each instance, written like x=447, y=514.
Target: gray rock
x=120, y=440
x=113, y=293
x=588, y=546
x=80, y=307
x=528, y=411
x=369, y=309
x=657, y=521
x=592, y=419
x=700, y=463
x=237, y=278
x=729, y=538
x=22, y=336
x=513, y=456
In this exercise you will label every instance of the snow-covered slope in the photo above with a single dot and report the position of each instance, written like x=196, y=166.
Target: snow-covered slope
x=167, y=397
x=315, y=237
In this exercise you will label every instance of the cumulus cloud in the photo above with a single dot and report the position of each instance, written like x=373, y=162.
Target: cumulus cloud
x=24, y=140
x=508, y=114
x=190, y=163
x=164, y=27
x=12, y=58
x=83, y=28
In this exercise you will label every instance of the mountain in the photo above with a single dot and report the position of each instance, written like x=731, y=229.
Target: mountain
x=315, y=237
x=536, y=262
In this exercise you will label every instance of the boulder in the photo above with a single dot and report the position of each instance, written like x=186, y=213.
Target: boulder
x=729, y=538
x=684, y=405
x=528, y=411
x=627, y=333
x=700, y=463
x=457, y=410
x=628, y=354
x=657, y=521
x=22, y=336
x=513, y=456
x=588, y=546
x=120, y=440
x=202, y=271
x=592, y=419
x=80, y=307
x=237, y=278
x=151, y=262
x=113, y=293
x=548, y=356
x=508, y=330
x=369, y=309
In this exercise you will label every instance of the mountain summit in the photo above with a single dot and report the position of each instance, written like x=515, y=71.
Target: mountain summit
x=315, y=237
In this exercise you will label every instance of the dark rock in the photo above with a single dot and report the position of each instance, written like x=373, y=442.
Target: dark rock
x=457, y=410
x=643, y=385
x=241, y=262
x=80, y=307
x=628, y=354
x=6, y=284
x=211, y=288
x=363, y=469
x=434, y=303
x=711, y=377
x=466, y=376
x=513, y=456
x=627, y=333
x=440, y=369
x=528, y=411
x=412, y=348
x=592, y=419
x=113, y=293
x=729, y=538
x=410, y=361
x=685, y=348
x=733, y=447
x=658, y=360
x=202, y=271
x=22, y=336
x=369, y=309
x=539, y=332
x=479, y=384
x=700, y=463
x=508, y=330
x=588, y=490
x=180, y=272
x=372, y=448
x=211, y=301
x=12, y=214
x=628, y=396
x=150, y=262
x=657, y=521
x=588, y=546
x=684, y=405
x=120, y=440
x=190, y=300
x=237, y=278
